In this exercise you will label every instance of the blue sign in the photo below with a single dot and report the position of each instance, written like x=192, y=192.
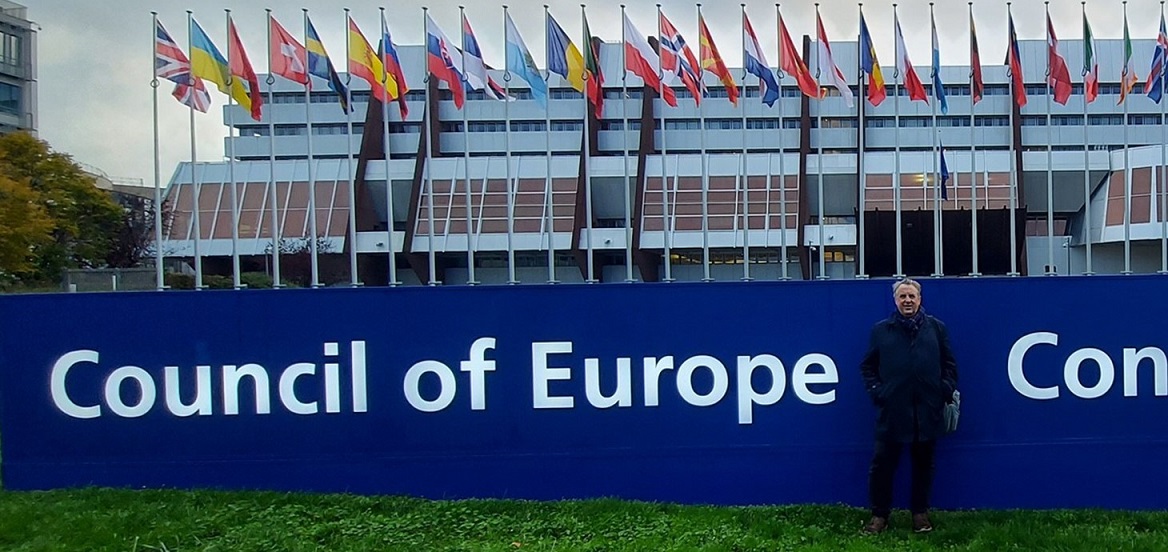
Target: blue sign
x=728, y=393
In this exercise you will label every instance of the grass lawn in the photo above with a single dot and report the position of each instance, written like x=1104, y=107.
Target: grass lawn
x=127, y=520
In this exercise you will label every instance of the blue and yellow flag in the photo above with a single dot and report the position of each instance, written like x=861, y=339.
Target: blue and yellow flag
x=319, y=64
x=209, y=64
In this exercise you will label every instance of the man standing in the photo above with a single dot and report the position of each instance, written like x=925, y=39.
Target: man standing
x=910, y=373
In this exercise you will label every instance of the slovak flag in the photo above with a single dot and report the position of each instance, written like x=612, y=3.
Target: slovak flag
x=757, y=65
x=443, y=60
x=678, y=59
x=642, y=61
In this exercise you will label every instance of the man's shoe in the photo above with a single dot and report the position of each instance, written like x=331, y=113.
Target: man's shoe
x=921, y=523
x=875, y=526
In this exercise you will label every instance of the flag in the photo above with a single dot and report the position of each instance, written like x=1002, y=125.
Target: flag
x=1014, y=61
x=912, y=83
x=563, y=58
x=1058, y=76
x=642, y=61
x=975, y=62
x=830, y=73
x=241, y=67
x=938, y=86
x=677, y=59
x=871, y=66
x=1154, y=88
x=712, y=61
x=389, y=59
x=366, y=64
x=444, y=61
x=209, y=64
x=287, y=57
x=194, y=96
x=520, y=62
x=944, y=175
x=321, y=67
x=170, y=62
x=1127, y=78
x=477, y=77
x=791, y=63
x=595, y=75
x=756, y=64
x=1090, y=63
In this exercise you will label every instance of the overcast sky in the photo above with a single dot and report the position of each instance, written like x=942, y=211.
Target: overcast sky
x=95, y=58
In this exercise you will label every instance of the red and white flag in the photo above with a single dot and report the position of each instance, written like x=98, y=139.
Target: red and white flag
x=912, y=83
x=287, y=57
x=642, y=61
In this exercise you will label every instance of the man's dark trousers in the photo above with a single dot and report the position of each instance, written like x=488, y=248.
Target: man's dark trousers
x=883, y=469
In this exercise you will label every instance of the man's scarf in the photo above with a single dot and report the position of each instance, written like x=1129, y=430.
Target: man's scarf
x=912, y=324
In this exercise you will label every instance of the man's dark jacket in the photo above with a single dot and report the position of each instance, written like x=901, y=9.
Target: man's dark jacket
x=909, y=377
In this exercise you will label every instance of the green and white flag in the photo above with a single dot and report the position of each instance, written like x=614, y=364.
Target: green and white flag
x=1090, y=62
x=1128, y=78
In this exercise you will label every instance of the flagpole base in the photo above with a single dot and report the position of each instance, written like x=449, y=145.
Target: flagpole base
x=975, y=275
x=1013, y=274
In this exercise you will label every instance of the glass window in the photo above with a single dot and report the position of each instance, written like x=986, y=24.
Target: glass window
x=10, y=98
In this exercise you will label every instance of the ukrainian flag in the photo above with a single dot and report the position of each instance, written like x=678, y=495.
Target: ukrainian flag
x=208, y=63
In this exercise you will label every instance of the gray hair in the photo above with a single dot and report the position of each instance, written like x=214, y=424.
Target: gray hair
x=906, y=282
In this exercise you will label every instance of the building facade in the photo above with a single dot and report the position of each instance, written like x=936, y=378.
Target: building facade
x=18, y=79
x=509, y=192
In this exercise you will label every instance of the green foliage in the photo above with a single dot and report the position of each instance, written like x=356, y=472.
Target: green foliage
x=85, y=220
x=24, y=227
x=109, y=519
x=256, y=280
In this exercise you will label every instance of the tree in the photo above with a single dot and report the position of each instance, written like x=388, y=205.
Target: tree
x=84, y=219
x=134, y=240
x=24, y=227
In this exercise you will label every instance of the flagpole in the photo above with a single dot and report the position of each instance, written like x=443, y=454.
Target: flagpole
x=1013, y=168
x=973, y=151
x=1127, y=172
x=746, y=193
x=1050, y=271
x=548, y=190
x=271, y=81
x=235, y=281
x=198, y=229
x=353, y=282
x=429, y=178
x=861, y=184
x=782, y=176
x=591, y=261
x=937, y=270
x=706, y=182
x=470, y=256
x=819, y=159
x=160, y=282
x=389, y=242
x=313, y=246
x=625, y=157
x=664, y=180
x=507, y=157
x=896, y=156
x=1163, y=158
x=1088, y=45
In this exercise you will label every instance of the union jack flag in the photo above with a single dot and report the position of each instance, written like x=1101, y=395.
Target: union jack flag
x=170, y=62
x=193, y=96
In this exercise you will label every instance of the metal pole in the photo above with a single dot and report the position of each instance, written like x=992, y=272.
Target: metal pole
x=313, y=246
x=783, y=259
x=272, y=196
x=511, y=279
x=160, y=280
x=625, y=157
x=548, y=188
x=1050, y=271
x=1087, y=152
x=433, y=281
x=389, y=242
x=896, y=155
x=353, y=281
x=861, y=183
x=1013, y=177
x=198, y=229
x=973, y=161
